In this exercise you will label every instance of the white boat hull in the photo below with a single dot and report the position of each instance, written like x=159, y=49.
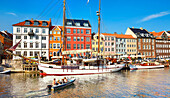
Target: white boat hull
x=82, y=70
x=132, y=67
x=90, y=60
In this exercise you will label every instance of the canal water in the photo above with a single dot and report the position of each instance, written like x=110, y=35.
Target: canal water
x=140, y=83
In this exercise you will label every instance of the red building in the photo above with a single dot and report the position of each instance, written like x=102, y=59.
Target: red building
x=78, y=34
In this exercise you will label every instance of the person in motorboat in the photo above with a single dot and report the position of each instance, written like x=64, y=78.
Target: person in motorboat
x=58, y=82
x=65, y=80
x=54, y=82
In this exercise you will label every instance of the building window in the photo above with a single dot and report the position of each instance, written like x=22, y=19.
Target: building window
x=50, y=38
x=82, y=46
x=31, y=45
x=31, y=53
x=68, y=38
x=54, y=54
x=43, y=30
x=43, y=38
x=44, y=23
x=58, y=45
x=143, y=46
x=18, y=52
x=74, y=38
x=74, y=46
x=81, y=31
x=31, y=37
x=108, y=49
x=78, y=31
x=58, y=32
x=68, y=46
x=87, y=31
x=105, y=49
x=37, y=37
x=78, y=38
x=105, y=43
x=36, y=53
x=68, y=30
x=36, y=30
x=152, y=46
x=96, y=43
x=82, y=38
x=87, y=39
x=25, y=53
x=18, y=37
x=108, y=38
x=153, y=54
x=101, y=43
x=25, y=45
x=105, y=38
x=87, y=46
x=108, y=43
x=43, y=45
x=78, y=46
x=25, y=30
x=112, y=38
x=37, y=45
x=54, y=46
x=18, y=30
x=138, y=40
x=74, y=30
x=54, y=38
x=58, y=38
x=25, y=37
x=50, y=45
x=112, y=49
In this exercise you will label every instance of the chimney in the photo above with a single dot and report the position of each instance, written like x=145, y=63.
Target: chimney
x=141, y=28
x=82, y=18
x=50, y=19
x=31, y=18
x=153, y=31
x=115, y=32
x=133, y=27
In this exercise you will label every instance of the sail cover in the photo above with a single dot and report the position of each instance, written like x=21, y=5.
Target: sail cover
x=14, y=47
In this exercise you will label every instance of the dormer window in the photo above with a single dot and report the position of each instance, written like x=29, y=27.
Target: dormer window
x=77, y=24
x=44, y=23
x=27, y=22
x=36, y=23
x=69, y=23
x=86, y=24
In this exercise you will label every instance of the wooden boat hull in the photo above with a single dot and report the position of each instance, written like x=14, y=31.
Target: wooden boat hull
x=81, y=70
x=137, y=67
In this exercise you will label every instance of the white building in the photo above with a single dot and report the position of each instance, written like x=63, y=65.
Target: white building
x=35, y=38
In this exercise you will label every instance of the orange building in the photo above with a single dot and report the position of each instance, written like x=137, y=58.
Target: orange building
x=6, y=40
x=55, y=42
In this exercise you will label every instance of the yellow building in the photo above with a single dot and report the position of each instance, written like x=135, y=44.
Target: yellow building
x=95, y=45
x=131, y=47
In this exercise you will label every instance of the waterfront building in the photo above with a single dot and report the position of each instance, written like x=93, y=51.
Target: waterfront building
x=1, y=51
x=95, y=45
x=162, y=44
x=109, y=45
x=131, y=47
x=35, y=38
x=78, y=34
x=55, y=41
x=145, y=41
x=6, y=40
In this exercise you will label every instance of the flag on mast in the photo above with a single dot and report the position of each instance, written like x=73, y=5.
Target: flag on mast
x=15, y=46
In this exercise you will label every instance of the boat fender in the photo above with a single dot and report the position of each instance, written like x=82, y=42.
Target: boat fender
x=50, y=66
x=49, y=87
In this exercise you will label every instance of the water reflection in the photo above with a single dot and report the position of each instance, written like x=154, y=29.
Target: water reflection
x=140, y=83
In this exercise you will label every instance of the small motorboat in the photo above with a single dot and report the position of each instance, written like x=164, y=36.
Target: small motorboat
x=5, y=72
x=60, y=86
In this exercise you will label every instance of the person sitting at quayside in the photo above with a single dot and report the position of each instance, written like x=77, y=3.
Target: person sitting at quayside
x=65, y=80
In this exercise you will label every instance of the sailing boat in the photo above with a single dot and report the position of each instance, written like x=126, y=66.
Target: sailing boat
x=52, y=69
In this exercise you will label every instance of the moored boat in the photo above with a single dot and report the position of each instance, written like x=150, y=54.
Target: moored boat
x=5, y=72
x=146, y=65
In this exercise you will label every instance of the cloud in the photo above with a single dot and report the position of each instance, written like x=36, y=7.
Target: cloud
x=155, y=16
x=10, y=13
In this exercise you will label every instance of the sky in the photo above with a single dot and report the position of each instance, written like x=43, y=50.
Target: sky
x=116, y=15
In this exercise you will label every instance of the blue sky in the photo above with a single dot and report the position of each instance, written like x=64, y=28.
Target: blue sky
x=117, y=15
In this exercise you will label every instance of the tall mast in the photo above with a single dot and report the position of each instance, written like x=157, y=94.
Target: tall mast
x=98, y=14
x=64, y=8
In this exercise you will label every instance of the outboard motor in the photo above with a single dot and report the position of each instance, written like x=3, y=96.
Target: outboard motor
x=49, y=87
